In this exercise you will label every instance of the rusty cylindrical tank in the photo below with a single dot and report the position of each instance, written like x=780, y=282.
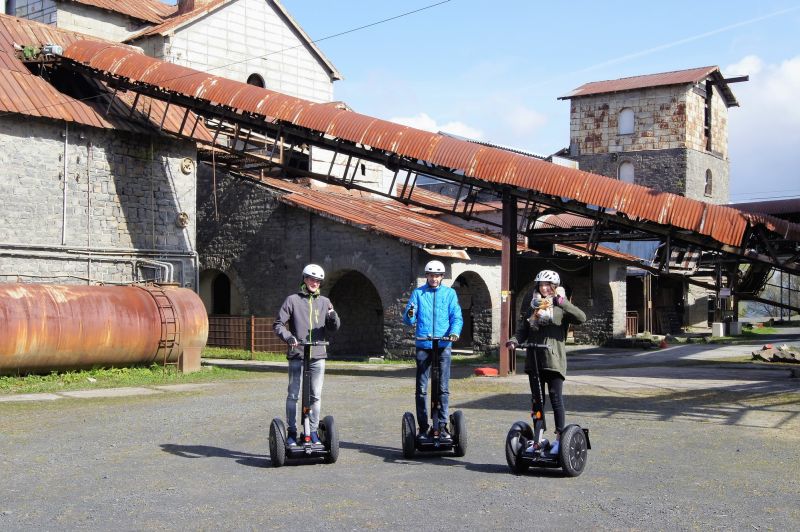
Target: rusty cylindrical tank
x=53, y=327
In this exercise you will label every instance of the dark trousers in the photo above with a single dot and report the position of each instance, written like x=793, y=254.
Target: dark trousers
x=555, y=384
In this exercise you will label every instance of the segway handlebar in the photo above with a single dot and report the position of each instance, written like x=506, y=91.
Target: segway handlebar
x=431, y=338
x=315, y=342
x=526, y=345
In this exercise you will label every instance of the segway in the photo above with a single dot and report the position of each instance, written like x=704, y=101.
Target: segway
x=435, y=442
x=527, y=447
x=327, y=448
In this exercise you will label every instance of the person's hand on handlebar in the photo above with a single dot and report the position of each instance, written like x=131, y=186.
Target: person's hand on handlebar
x=293, y=342
x=453, y=337
x=512, y=344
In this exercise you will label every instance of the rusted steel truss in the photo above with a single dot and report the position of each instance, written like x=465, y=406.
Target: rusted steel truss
x=235, y=131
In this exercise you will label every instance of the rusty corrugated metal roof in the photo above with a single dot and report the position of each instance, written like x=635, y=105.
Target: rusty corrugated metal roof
x=562, y=221
x=434, y=199
x=148, y=10
x=177, y=20
x=388, y=217
x=773, y=207
x=24, y=93
x=493, y=166
x=677, y=77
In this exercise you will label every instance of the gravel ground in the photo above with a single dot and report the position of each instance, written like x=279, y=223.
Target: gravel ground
x=664, y=457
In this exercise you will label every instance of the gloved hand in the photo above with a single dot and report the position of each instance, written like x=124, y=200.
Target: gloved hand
x=410, y=312
x=512, y=344
x=560, y=296
x=293, y=342
x=453, y=337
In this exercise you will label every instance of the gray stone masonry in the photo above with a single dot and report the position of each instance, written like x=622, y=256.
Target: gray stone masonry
x=123, y=193
x=262, y=245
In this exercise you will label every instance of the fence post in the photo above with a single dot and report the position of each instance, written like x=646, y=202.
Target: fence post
x=252, y=335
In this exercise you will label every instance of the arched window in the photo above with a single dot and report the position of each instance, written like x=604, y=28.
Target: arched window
x=257, y=80
x=625, y=124
x=625, y=172
x=709, y=184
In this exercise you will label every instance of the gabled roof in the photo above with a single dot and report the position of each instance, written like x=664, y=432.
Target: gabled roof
x=179, y=21
x=677, y=77
x=152, y=11
x=90, y=102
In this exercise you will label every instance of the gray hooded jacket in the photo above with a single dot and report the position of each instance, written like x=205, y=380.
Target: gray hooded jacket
x=305, y=317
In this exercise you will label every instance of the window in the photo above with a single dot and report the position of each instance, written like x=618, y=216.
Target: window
x=625, y=172
x=709, y=184
x=625, y=124
x=257, y=80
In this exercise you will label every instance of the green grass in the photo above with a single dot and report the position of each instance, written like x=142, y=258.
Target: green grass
x=243, y=354
x=111, y=378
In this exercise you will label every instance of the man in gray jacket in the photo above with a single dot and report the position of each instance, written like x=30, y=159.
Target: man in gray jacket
x=306, y=315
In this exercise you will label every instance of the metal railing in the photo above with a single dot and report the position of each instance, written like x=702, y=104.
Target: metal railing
x=631, y=323
x=244, y=332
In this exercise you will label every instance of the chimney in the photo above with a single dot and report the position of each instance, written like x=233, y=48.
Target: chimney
x=184, y=6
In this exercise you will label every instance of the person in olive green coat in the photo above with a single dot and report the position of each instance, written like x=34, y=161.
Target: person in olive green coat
x=545, y=321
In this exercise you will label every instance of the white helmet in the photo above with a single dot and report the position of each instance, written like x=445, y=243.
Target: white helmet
x=547, y=276
x=312, y=270
x=434, y=266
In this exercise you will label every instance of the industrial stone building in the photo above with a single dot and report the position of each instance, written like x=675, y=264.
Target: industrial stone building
x=91, y=193
x=668, y=132
x=131, y=192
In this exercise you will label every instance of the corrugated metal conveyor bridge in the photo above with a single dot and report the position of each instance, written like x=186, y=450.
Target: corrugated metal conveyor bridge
x=256, y=128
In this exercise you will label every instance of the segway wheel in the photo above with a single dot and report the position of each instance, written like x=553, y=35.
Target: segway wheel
x=459, y=426
x=409, y=435
x=277, y=442
x=517, y=438
x=573, y=450
x=330, y=438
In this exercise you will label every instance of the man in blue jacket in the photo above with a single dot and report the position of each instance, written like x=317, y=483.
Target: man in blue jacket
x=434, y=309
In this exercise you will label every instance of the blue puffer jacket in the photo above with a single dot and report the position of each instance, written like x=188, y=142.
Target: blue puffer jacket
x=436, y=313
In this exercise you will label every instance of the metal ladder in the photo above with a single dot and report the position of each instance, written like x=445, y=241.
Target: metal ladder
x=170, y=327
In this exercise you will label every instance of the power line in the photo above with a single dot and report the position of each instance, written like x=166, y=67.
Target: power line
x=327, y=37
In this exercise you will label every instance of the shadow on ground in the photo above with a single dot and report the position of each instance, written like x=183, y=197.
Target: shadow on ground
x=734, y=405
x=394, y=455
x=207, y=451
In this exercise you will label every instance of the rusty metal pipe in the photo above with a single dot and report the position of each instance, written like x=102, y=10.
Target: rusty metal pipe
x=56, y=327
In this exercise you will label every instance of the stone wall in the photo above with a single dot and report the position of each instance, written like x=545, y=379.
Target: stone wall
x=243, y=38
x=43, y=11
x=97, y=22
x=668, y=145
x=263, y=244
x=124, y=194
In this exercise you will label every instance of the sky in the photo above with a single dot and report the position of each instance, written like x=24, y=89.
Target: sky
x=493, y=70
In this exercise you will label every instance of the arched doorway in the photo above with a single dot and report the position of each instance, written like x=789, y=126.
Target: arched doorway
x=476, y=309
x=359, y=307
x=218, y=293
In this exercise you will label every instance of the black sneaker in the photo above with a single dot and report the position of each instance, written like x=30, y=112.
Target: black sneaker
x=423, y=434
x=444, y=435
x=291, y=438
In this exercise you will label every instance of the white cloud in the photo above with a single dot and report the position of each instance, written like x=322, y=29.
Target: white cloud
x=764, y=132
x=426, y=122
x=523, y=121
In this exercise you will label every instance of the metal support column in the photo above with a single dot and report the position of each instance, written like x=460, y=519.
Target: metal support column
x=508, y=262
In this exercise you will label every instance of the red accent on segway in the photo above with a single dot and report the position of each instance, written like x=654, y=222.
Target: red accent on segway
x=486, y=372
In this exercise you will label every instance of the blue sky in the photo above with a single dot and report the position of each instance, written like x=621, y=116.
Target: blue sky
x=494, y=70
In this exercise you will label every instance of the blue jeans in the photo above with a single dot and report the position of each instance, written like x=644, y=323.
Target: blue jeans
x=424, y=362
x=295, y=380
